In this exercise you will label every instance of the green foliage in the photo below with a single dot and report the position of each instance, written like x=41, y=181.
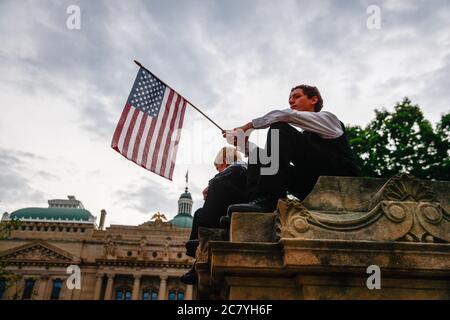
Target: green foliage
x=11, y=279
x=402, y=141
x=6, y=227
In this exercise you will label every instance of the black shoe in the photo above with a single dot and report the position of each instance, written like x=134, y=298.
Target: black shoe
x=191, y=247
x=188, y=277
x=261, y=204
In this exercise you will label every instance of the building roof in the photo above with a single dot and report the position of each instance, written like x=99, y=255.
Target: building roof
x=182, y=220
x=186, y=195
x=58, y=214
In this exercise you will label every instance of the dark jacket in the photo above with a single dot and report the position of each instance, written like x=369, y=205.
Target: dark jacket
x=226, y=188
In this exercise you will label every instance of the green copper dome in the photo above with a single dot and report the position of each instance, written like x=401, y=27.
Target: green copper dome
x=182, y=221
x=58, y=214
x=186, y=195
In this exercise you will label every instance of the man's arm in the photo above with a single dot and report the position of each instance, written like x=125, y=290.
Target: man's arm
x=324, y=123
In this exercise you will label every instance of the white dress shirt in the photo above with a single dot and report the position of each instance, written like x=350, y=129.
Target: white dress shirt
x=324, y=123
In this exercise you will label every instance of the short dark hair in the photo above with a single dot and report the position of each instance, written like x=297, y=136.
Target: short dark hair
x=310, y=92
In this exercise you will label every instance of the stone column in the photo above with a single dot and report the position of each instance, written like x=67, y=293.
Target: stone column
x=98, y=286
x=67, y=295
x=109, y=287
x=189, y=290
x=14, y=287
x=162, y=287
x=42, y=289
x=136, y=287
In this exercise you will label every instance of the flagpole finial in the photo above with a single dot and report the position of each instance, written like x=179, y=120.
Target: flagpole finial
x=138, y=63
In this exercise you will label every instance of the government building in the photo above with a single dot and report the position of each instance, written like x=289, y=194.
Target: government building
x=60, y=252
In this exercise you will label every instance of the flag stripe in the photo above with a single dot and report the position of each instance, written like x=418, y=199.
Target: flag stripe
x=134, y=134
x=129, y=132
x=137, y=142
x=160, y=131
x=123, y=134
x=140, y=155
x=169, y=143
x=118, y=131
x=146, y=151
x=175, y=148
x=153, y=137
x=160, y=165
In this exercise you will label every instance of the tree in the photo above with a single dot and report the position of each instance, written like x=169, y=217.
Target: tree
x=402, y=141
x=8, y=278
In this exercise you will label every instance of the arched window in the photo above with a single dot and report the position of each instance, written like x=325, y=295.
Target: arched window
x=176, y=294
x=2, y=288
x=28, y=289
x=57, y=284
x=123, y=293
x=149, y=294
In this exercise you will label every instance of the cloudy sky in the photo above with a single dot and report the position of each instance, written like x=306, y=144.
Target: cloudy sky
x=62, y=90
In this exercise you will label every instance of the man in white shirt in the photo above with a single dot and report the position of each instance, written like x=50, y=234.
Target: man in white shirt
x=320, y=148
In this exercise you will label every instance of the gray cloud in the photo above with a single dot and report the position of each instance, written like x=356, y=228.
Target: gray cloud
x=147, y=196
x=227, y=57
x=15, y=185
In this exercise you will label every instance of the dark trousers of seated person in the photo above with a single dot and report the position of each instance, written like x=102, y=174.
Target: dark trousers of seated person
x=303, y=157
x=221, y=194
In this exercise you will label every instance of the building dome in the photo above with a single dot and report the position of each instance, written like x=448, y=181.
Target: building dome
x=54, y=214
x=186, y=195
x=182, y=221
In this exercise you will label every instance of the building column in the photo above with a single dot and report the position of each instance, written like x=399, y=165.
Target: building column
x=189, y=290
x=42, y=289
x=109, y=287
x=67, y=295
x=98, y=285
x=14, y=287
x=162, y=287
x=136, y=287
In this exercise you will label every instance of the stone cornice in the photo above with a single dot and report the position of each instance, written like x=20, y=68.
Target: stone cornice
x=142, y=263
x=404, y=209
x=38, y=253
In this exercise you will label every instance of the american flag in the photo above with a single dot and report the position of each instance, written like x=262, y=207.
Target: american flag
x=149, y=128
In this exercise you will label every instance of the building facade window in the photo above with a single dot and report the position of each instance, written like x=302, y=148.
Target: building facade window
x=176, y=294
x=57, y=284
x=123, y=294
x=149, y=294
x=28, y=289
x=2, y=288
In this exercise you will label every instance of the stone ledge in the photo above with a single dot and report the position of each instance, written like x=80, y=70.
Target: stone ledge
x=322, y=246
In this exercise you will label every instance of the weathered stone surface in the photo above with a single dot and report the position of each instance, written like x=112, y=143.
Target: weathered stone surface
x=252, y=227
x=354, y=194
x=324, y=245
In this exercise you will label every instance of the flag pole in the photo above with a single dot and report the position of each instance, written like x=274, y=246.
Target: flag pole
x=193, y=106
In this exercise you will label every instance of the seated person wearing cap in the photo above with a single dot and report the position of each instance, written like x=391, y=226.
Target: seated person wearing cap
x=224, y=189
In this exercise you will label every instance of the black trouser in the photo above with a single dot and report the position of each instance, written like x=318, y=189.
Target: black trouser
x=301, y=161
